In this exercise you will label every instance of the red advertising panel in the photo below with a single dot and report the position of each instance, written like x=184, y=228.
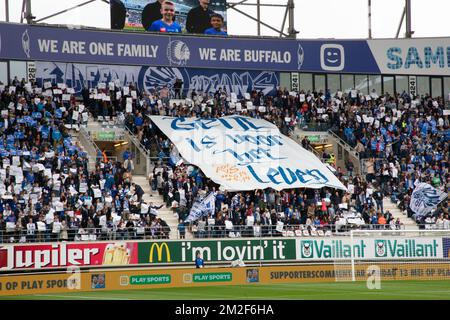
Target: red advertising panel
x=60, y=255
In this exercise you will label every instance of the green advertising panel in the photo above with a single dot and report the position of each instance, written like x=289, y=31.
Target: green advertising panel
x=213, y=277
x=216, y=250
x=370, y=248
x=314, y=138
x=106, y=135
x=150, y=279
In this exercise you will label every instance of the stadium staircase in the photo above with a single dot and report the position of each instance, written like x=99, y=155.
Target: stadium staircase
x=166, y=214
x=408, y=223
x=88, y=145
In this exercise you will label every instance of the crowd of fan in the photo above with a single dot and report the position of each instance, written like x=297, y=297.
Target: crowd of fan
x=379, y=123
x=48, y=192
x=403, y=141
x=319, y=209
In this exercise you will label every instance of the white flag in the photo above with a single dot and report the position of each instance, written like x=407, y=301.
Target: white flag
x=425, y=198
x=202, y=208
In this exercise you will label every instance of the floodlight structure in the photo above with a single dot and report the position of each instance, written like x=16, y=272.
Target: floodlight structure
x=406, y=13
x=26, y=11
x=288, y=14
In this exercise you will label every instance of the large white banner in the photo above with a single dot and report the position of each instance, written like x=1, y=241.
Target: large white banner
x=425, y=198
x=242, y=153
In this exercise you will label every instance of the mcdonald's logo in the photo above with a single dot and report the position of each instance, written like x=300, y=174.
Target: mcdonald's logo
x=159, y=251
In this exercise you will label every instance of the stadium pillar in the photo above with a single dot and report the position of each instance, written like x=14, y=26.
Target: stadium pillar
x=7, y=10
x=258, y=16
x=409, y=32
x=8, y=71
x=291, y=31
x=370, y=18
x=28, y=14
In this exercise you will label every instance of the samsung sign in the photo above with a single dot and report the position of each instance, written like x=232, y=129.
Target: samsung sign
x=398, y=56
x=413, y=56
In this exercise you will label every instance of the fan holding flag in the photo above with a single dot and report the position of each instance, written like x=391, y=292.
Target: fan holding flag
x=202, y=208
x=425, y=198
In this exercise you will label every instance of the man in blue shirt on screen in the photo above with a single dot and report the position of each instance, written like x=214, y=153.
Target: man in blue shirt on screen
x=166, y=24
x=217, y=24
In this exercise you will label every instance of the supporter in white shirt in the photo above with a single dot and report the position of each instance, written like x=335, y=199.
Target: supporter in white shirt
x=392, y=225
x=429, y=221
x=394, y=170
x=56, y=228
x=7, y=211
x=446, y=224
x=49, y=218
x=31, y=227
x=440, y=222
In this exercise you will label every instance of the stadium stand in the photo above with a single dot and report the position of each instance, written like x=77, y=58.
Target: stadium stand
x=48, y=193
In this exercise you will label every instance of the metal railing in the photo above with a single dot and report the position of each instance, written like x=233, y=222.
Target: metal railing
x=95, y=160
x=314, y=151
x=140, y=150
x=239, y=231
x=132, y=137
x=364, y=162
x=86, y=234
x=88, y=143
x=209, y=231
x=344, y=143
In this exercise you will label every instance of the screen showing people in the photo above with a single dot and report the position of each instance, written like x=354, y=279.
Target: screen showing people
x=188, y=16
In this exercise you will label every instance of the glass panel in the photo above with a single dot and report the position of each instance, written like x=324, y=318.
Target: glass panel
x=447, y=88
x=375, y=84
x=3, y=72
x=423, y=85
x=18, y=69
x=319, y=83
x=306, y=82
x=401, y=84
x=334, y=83
x=285, y=80
x=347, y=82
x=361, y=84
x=436, y=87
x=388, y=85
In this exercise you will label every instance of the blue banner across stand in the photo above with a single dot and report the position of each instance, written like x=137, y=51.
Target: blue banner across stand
x=44, y=43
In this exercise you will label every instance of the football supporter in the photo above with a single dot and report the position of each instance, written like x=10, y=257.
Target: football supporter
x=166, y=24
x=217, y=25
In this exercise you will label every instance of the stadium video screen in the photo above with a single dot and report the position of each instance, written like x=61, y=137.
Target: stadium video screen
x=138, y=15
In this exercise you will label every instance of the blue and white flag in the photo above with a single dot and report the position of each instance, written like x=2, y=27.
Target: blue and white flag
x=425, y=198
x=202, y=208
